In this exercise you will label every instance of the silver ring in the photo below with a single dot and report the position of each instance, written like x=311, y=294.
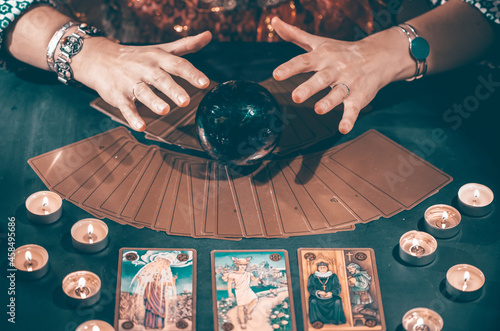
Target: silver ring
x=134, y=98
x=346, y=87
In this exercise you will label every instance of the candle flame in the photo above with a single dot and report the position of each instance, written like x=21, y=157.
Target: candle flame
x=466, y=278
x=81, y=282
x=476, y=194
x=81, y=285
x=415, y=242
x=445, y=215
x=95, y=328
x=27, y=256
x=90, y=230
x=420, y=321
x=45, y=203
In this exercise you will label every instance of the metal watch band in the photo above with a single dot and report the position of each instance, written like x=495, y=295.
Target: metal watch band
x=54, y=41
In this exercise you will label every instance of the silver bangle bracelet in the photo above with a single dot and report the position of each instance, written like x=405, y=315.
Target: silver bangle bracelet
x=54, y=41
x=419, y=50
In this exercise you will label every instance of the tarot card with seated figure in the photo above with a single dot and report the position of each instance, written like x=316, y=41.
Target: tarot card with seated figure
x=340, y=289
x=252, y=290
x=156, y=289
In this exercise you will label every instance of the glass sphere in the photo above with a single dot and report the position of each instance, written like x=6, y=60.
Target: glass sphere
x=239, y=122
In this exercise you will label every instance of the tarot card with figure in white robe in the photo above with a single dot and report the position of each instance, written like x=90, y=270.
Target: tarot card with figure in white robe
x=252, y=290
x=156, y=289
x=340, y=290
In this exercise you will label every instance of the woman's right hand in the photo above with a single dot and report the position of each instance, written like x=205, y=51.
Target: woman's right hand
x=120, y=73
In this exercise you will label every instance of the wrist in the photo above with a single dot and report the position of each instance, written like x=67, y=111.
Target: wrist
x=391, y=55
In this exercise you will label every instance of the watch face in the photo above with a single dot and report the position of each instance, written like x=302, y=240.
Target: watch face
x=419, y=48
x=71, y=45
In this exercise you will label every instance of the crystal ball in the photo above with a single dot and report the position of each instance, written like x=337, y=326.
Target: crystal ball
x=239, y=122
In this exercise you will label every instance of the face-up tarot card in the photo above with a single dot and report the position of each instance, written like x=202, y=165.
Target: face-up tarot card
x=340, y=289
x=252, y=290
x=156, y=289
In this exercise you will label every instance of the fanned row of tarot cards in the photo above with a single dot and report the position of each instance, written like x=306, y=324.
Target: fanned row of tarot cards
x=112, y=175
x=251, y=290
x=301, y=126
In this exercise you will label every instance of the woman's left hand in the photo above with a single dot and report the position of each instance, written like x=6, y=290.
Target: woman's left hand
x=355, y=71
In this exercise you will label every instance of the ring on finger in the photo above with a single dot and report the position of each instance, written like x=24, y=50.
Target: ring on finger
x=346, y=87
x=134, y=97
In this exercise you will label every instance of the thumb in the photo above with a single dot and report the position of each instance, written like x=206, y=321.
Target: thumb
x=188, y=44
x=293, y=34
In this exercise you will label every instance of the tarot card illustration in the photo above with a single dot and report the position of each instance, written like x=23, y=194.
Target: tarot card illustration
x=340, y=289
x=156, y=289
x=252, y=290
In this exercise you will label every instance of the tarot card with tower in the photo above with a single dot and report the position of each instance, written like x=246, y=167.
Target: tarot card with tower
x=156, y=289
x=252, y=290
x=340, y=289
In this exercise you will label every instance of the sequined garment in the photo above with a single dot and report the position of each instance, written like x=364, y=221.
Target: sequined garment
x=151, y=21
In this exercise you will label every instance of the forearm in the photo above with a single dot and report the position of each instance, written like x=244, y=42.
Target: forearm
x=456, y=32
x=28, y=39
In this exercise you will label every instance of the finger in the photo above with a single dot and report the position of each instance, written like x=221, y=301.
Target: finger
x=181, y=67
x=351, y=112
x=148, y=98
x=293, y=34
x=299, y=64
x=166, y=84
x=334, y=98
x=188, y=45
x=129, y=111
x=313, y=85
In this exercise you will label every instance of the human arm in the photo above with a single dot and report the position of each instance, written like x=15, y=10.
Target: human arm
x=456, y=31
x=111, y=69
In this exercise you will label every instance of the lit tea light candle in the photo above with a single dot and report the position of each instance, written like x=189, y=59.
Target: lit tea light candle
x=475, y=199
x=422, y=319
x=82, y=288
x=95, y=325
x=442, y=221
x=417, y=248
x=44, y=207
x=89, y=235
x=31, y=261
x=464, y=282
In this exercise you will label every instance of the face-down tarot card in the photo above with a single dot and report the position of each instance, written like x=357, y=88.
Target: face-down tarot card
x=252, y=290
x=340, y=289
x=156, y=289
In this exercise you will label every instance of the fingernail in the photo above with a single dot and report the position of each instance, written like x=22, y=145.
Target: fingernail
x=203, y=81
x=320, y=109
x=162, y=109
x=138, y=125
x=278, y=73
x=182, y=99
x=298, y=95
x=345, y=128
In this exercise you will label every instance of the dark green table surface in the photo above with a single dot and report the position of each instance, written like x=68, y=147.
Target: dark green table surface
x=39, y=115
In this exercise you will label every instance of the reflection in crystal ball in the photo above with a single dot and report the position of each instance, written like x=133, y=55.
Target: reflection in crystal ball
x=239, y=122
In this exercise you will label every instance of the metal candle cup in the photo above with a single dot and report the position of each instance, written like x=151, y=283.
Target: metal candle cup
x=82, y=288
x=31, y=261
x=464, y=282
x=89, y=235
x=475, y=199
x=442, y=221
x=422, y=319
x=89, y=326
x=417, y=248
x=44, y=207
